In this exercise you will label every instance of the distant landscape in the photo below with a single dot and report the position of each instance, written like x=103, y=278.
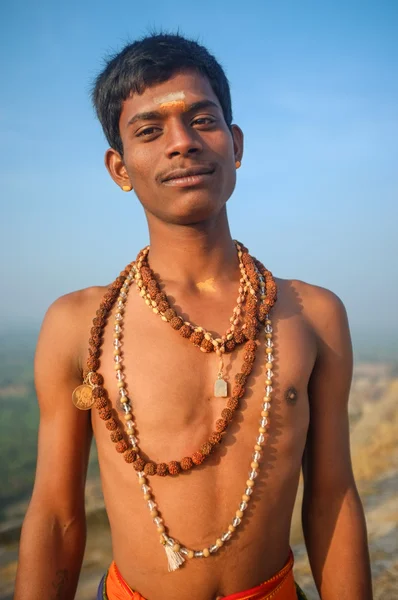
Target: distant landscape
x=374, y=434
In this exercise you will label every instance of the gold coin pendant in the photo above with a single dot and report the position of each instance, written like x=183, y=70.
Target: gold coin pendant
x=82, y=397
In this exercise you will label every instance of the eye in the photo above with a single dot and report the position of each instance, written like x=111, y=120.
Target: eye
x=148, y=131
x=203, y=121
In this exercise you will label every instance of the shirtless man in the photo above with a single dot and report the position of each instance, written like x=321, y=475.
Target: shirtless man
x=164, y=105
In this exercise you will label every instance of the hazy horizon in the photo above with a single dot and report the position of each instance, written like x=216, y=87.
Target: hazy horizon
x=367, y=346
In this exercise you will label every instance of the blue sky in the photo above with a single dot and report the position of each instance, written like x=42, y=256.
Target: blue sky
x=315, y=89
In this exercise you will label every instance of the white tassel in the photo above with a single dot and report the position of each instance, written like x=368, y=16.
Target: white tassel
x=175, y=559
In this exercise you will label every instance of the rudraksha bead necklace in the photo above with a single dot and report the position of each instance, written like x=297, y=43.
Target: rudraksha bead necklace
x=188, y=462
x=93, y=381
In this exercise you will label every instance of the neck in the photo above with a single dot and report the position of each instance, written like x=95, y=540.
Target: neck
x=192, y=254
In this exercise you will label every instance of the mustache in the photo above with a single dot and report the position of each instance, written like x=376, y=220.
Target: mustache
x=202, y=168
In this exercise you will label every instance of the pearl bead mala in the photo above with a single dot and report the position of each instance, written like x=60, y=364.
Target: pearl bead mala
x=176, y=552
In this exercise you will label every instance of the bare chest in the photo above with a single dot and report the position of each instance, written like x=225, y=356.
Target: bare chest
x=170, y=382
x=171, y=387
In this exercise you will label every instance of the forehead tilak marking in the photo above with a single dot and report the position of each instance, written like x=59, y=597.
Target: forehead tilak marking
x=171, y=97
x=171, y=100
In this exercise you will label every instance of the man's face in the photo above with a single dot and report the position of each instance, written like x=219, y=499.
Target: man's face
x=179, y=154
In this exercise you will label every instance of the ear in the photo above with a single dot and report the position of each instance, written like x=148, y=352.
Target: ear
x=237, y=135
x=116, y=168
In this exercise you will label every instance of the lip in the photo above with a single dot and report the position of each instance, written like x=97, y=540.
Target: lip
x=188, y=177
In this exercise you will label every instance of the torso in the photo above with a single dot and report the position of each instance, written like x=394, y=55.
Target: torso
x=170, y=384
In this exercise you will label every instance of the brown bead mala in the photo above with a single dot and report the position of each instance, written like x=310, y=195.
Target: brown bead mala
x=120, y=288
x=150, y=290
x=197, y=458
x=221, y=425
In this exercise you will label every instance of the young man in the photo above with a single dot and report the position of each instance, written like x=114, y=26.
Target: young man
x=225, y=500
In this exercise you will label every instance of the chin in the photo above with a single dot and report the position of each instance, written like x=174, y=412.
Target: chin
x=196, y=209
x=190, y=208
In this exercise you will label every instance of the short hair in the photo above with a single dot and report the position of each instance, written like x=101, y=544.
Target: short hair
x=151, y=60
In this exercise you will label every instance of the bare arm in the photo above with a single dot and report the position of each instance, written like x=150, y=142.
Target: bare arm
x=333, y=519
x=53, y=533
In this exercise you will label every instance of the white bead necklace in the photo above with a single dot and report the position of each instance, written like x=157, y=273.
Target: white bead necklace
x=177, y=553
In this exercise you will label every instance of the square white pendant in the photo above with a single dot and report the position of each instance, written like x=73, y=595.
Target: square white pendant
x=220, y=388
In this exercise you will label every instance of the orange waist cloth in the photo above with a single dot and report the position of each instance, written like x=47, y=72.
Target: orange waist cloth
x=279, y=587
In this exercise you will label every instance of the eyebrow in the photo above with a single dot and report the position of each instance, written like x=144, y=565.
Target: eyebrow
x=155, y=114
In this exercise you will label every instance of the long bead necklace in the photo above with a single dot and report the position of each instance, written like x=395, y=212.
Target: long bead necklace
x=92, y=391
x=174, y=467
x=176, y=552
x=134, y=454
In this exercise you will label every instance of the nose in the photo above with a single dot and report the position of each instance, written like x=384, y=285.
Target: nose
x=182, y=140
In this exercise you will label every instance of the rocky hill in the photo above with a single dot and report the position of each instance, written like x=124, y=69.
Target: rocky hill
x=374, y=449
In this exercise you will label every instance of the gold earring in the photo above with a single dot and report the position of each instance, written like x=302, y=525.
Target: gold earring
x=127, y=188
x=238, y=164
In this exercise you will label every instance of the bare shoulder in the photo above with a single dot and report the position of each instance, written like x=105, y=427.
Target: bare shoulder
x=76, y=303
x=322, y=310
x=67, y=323
x=320, y=305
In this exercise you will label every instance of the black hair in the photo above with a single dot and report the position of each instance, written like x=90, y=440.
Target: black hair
x=151, y=60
